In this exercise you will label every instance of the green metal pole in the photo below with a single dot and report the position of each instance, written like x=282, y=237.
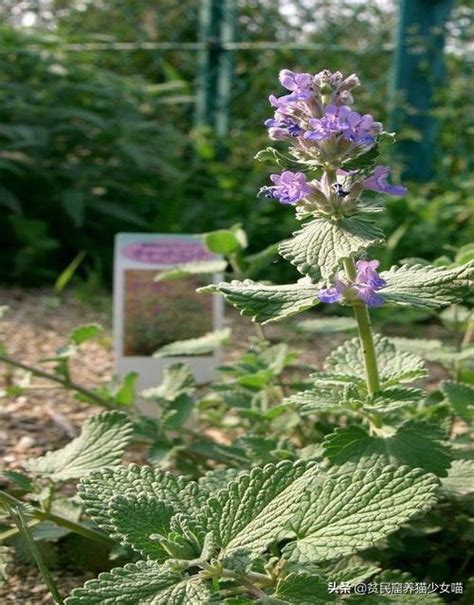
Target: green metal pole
x=417, y=74
x=211, y=16
x=226, y=69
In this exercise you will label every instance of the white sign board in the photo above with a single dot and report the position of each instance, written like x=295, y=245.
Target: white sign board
x=149, y=314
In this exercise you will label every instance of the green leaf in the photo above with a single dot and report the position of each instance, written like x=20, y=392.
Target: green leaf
x=392, y=398
x=250, y=512
x=354, y=510
x=177, y=380
x=126, y=393
x=460, y=479
x=137, y=519
x=196, y=268
x=225, y=241
x=415, y=444
x=101, y=443
x=319, y=399
x=85, y=332
x=141, y=583
x=267, y=303
x=427, y=287
x=327, y=325
x=300, y=588
x=461, y=398
x=99, y=488
x=195, y=346
x=346, y=364
x=319, y=246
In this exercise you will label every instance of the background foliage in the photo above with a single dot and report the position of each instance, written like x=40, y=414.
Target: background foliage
x=97, y=138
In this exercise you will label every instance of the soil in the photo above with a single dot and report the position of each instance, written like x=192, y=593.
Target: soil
x=45, y=418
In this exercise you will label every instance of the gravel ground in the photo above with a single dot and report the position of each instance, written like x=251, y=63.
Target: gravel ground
x=45, y=417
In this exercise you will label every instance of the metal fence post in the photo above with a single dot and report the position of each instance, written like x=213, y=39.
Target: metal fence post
x=215, y=65
x=417, y=73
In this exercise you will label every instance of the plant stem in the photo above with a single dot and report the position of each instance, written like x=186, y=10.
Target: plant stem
x=25, y=532
x=78, y=528
x=65, y=382
x=365, y=335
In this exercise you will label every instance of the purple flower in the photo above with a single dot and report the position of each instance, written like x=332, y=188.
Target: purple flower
x=331, y=295
x=367, y=273
x=361, y=130
x=364, y=287
x=295, y=81
x=289, y=187
x=377, y=181
x=332, y=123
x=282, y=127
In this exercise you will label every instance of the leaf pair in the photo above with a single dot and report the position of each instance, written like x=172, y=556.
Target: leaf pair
x=312, y=516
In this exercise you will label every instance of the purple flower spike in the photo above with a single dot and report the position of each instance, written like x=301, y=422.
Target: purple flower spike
x=367, y=273
x=377, y=181
x=332, y=123
x=289, y=187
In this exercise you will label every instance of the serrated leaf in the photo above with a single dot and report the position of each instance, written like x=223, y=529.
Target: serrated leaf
x=195, y=346
x=196, y=268
x=461, y=398
x=460, y=479
x=319, y=246
x=415, y=444
x=267, y=303
x=426, y=287
x=101, y=487
x=346, y=364
x=299, y=588
x=327, y=325
x=319, y=399
x=217, y=479
x=249, y=513
x=85, y=332
x=101, y=443
x=142, y=583
x=392, y=398
x=136, y=519
x=354, y=510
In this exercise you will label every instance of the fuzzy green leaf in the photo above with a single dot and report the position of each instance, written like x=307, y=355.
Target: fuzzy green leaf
x=195, y=346
x=416, y=444
x=461, y=398
x=266, y=303
x=98, y=490
x=391, y=399
x=352, y=511
x=327, y=325
x=427, y=287
x=319, y=246
x=346, y=364
x=460, y=479
x=303, y=589
x=142, y=583
x=249, y=513
x=136, y=519
x=101, y=443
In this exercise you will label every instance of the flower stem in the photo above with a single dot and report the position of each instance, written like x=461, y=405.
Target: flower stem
x=365, y=335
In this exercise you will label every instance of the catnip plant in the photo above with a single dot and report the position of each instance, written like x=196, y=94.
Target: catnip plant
x=295, y=531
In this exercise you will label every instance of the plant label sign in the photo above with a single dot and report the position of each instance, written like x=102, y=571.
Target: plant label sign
x=151, y=312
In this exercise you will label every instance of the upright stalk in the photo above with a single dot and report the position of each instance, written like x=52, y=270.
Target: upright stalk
x=365, y=335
